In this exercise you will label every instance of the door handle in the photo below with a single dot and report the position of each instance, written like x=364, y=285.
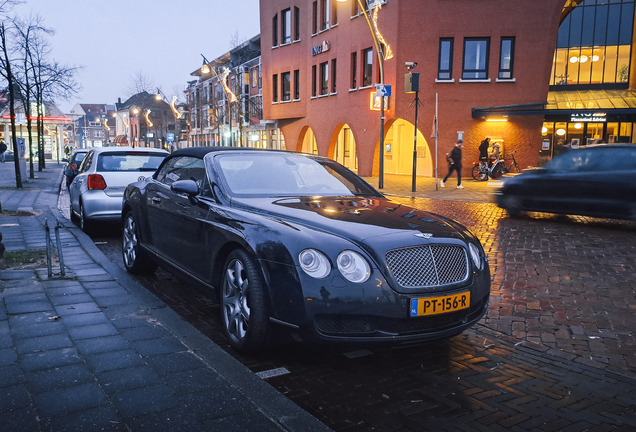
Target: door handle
x=156, y=200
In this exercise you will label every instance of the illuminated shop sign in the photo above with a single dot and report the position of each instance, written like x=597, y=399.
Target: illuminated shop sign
x=324, y=47
x=375, y=101
x=588, y=117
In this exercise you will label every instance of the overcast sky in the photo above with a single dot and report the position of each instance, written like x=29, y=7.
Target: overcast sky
x=114, y=40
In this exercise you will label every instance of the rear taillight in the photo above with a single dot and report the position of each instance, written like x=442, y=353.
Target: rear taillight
x=74, y=166
x=96, y=182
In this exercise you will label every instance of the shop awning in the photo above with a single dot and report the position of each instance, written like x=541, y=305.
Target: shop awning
x=121, y=139
x=567, y=103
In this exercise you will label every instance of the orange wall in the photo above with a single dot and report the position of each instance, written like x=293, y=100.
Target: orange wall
x=413, y=29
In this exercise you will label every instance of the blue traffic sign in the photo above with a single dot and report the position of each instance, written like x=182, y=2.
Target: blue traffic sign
x=383, y=89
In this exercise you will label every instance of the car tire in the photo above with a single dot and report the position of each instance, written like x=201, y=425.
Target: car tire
x=478, y=175
x=136, y=260
x=86, y=224
x=74, y=217
x=512, y=206
x=243, y=304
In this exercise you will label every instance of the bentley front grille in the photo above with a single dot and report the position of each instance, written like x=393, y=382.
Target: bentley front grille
x=431, y=265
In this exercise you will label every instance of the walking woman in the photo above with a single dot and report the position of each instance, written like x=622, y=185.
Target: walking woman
x=456, y=157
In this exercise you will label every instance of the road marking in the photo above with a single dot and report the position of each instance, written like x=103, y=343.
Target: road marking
x=272, y=373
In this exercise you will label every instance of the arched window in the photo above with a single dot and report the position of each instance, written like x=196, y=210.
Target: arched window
x=594, y=45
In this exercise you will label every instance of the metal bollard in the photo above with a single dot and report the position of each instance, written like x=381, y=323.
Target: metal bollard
x=59, y=246
x=48, y=247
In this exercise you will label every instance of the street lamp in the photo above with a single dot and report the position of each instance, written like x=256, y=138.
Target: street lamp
x=229, y=95
x=125, y=123
x=377, y=40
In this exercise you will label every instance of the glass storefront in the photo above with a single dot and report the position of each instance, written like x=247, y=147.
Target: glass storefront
x=556, y=134
x=594, y=44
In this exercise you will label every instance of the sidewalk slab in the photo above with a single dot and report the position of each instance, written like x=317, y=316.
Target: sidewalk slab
x=95, y=350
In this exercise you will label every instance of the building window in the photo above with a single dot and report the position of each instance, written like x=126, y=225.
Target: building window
x=354, y=70
x=367, y=67
x=594, y=45
x=313, y=81
x=506, y=56
x=275, y=30
x=334, y=13
x=475, y=58
x=355, y=10
x=285, y=79
x=324, y=78
x=324, y=14
x=296, y=24
x=445, y=69
x=254, y=76
x=314, y=17
x=275, y=88
x=333, y=76
x=297, y=84
x=285, y=27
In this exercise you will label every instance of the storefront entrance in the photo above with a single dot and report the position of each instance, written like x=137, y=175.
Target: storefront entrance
x=595, y=129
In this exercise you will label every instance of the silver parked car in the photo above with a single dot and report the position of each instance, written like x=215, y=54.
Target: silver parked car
x=97, y=190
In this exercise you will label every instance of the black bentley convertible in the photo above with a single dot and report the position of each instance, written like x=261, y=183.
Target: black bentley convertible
x=298, y=241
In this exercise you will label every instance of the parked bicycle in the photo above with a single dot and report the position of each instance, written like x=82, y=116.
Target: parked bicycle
x=482, y=172
x=513, y=163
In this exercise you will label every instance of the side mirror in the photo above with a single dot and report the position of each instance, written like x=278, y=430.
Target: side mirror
x=64, y=160
x=188, y=187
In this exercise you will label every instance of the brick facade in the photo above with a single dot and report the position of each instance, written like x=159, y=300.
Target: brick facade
x=413, y=29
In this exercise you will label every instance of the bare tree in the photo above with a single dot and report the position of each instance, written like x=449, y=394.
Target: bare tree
x=7, y=5
x=7, y=74
x=178, y=91
x=28, y=38
x=52, y=81
x=236, y=40
x=140, y=83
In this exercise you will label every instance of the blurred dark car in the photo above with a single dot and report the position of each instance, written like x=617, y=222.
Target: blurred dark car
x=298, y=242
x=73, y=164
x=597, y=181
x=9, y=156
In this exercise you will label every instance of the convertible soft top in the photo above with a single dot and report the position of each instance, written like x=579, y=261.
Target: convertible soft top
x=200, y=152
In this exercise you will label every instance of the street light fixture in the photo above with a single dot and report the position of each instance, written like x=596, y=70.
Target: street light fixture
x=378, y=40
x=229, y=95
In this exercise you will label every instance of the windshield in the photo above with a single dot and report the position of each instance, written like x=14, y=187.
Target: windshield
x=280, y=174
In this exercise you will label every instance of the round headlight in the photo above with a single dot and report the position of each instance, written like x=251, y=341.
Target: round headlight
x=474, y=253
x=353, y=266
x=314, y=263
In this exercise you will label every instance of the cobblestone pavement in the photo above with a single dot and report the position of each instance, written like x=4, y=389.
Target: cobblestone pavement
x=555, y=351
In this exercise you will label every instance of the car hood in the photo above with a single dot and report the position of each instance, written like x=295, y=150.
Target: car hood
x=359, y=219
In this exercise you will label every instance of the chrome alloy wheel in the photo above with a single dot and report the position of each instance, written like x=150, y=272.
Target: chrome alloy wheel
x=236, y=308
x=130, y=242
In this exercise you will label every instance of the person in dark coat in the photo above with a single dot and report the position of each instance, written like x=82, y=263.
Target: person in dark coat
x=483, y=151
x=3, y=149
x=456, y=165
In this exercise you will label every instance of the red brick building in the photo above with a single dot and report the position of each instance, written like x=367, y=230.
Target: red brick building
x=492, y=64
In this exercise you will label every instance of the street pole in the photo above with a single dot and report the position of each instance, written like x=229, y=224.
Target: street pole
x=436, y=135
x=417, y=103
x=381, y=167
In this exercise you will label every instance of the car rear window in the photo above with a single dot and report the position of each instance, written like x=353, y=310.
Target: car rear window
x=128, y=161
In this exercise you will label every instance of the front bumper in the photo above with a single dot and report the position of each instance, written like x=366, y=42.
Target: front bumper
x=333, y=310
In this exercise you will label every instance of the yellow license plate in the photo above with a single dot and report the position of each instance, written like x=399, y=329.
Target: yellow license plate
x=440, y=305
